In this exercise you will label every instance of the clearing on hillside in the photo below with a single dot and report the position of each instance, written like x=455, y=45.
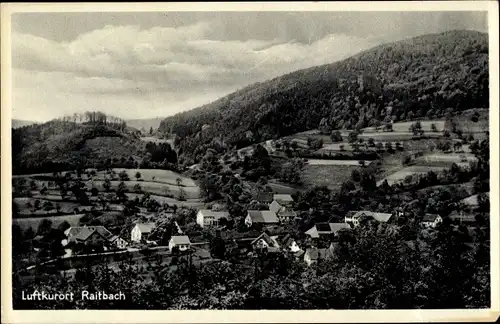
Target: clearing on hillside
x=337, y=162
x=405, y=126
x=155, y=188
x=161, y=176
x=33, y=222
x=331, y=176
x=403, y=173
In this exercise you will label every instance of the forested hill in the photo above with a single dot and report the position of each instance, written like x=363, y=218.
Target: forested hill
x=426, y=76
x=64, y=145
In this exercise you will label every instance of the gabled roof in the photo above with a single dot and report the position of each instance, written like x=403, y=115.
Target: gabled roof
x=213, y=213
x=271, y=241
x=286, y=240
x=283, y=198
x=286, y=212
x=326, y=228
x=82, y=233
x=263, y=216
x=145, y=227
x=430, y=218
x=380, y=217
x=181, y=239
x=266, y=197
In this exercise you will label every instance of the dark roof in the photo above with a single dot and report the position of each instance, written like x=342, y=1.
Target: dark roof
x=323, y=227
x=263, y=216
x=82, y=233
x=430, y=217
x=269, y=240
x=286, y=240
x=266, y=197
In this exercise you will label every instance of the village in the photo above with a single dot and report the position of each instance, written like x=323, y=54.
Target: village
x=277, y=212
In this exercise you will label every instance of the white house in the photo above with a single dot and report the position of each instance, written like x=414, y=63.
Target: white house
x=355, y=217
x=182, y=242
x=431, y=220
x=266, y=242
x=118, y=242
x=207, y=217
x=141, y=231
x=286, y=215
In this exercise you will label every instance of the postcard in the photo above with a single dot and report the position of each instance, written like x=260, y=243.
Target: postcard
x=250, y=162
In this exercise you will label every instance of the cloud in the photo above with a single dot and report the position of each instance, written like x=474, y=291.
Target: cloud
x=130, y=72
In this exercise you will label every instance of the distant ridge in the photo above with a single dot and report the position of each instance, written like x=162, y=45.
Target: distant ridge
x=427, y=76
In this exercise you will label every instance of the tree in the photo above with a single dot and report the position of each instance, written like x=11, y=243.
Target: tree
x=433, y=127
x=123, y=176
x=151, y=130
x=44, y=227
x=94, y=192
x=63, y=226
x=353, y=137
x=371, y=142
x=416, y=129
x=48, y=206
x=36, y=204
x=120, y=191
x=137, y=188
x=107, y=185
x=137, y=175
x=58, y=207
x=336, y=136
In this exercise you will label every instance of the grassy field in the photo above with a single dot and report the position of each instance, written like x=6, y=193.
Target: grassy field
x=447, y=158
x=33, y=222
x=405, y=126
x=193, y=203
x=411, y=170
x=331, y=176
x=281, y=189
x=335, y=162
x=161, y=176
x=155, y=188
x=394, y=136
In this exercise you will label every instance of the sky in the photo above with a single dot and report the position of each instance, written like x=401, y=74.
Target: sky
x=153, y=64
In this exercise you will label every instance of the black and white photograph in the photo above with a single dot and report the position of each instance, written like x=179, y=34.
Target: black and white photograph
x=250, y=160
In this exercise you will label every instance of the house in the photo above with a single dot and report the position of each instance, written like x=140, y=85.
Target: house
x=326, y=229
x=266, y=243
x=355, y=217
x=283, y=200
x=286, y=215
x=207, y=217
x=288, y=243
x=313, y=255
x=264, y=198
x=181, y=242
x=141, y=231
x=93, y=235
x=431, y=220
x=265, y=217
x=118, y=242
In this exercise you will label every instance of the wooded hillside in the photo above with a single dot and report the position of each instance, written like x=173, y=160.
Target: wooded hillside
x=428, y=76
